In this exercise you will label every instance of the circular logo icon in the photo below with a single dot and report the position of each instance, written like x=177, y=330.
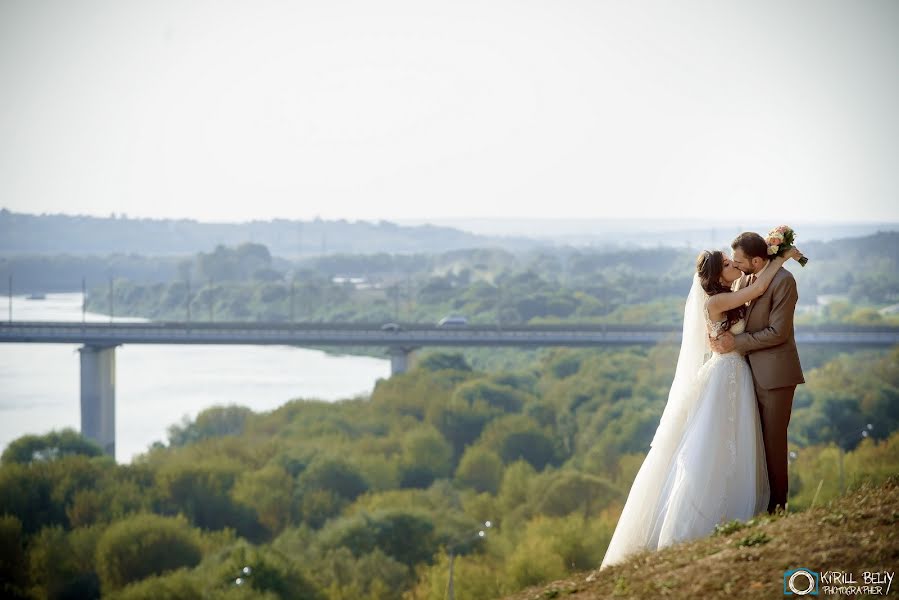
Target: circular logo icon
x=800, y=575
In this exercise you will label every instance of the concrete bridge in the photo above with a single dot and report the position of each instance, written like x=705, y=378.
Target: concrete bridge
x=99, y=340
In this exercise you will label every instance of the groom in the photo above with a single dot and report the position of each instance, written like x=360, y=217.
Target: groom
x=770, y=346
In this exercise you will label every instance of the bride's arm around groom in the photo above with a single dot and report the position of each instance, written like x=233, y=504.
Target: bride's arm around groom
x=769, y=341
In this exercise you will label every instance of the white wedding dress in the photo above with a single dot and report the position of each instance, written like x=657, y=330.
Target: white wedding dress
x=706, y=463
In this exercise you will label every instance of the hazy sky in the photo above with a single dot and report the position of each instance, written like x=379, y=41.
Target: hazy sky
x=417, y=109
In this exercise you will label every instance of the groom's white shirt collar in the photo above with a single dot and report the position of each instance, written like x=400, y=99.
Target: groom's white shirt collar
x=759, y=274
x=745, y=278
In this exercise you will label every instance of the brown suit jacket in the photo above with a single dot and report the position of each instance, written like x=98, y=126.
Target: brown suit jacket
x=769, y=342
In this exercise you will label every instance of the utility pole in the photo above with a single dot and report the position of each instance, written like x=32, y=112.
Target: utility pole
x=292, y=292
x=299, y=239
x=499, y=305
x=450, y=591
x=451, y=550
x=83, y=299
x=188, y=299
x=396, y=301
x=111, y=307
x=409, y=298
x=10, y=298
x=211, y=303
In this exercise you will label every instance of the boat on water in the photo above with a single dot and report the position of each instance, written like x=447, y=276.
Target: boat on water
x=36, y=296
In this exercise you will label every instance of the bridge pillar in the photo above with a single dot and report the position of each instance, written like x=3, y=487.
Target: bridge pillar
x=399, y=359
x=98, y=395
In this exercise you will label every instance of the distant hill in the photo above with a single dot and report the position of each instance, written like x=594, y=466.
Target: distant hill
x=652, y=232
x=28, y=234
x=22, y=233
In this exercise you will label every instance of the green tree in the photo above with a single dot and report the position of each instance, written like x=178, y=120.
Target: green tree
x=232, y=264
x=459, y=423
x=326, y=486
x=50, y=446
x=212, y=422
x=533, y=446
x=564, y=492
x=13, y=564
x=518, y=437
x=406, y=536
x=26, y=492
x=145, y=545
x=499, y=399
x=476, y=576
x=201, y=491
x=75, y=474
x=438, y=361
x=550, y=544
x=534, y=561
x=267, y=572
x=513, y=492
x=480, y=469
x=426, y=456
x=334, y=474
x=61, y=565
x=181, y=584
x=371, y=576
x=269, y=492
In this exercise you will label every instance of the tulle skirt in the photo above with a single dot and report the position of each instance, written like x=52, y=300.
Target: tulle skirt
x=707, y=471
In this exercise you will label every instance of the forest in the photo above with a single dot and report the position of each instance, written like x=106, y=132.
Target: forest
x=489, y=286
x=368, y=497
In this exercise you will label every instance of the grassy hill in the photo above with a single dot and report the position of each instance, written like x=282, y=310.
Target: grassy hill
x=854, y=533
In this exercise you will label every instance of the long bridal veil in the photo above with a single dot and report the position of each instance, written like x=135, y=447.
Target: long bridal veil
x=694, y=350
x=638, y=518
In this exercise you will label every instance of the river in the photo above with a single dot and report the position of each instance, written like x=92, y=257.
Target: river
x=158, y=385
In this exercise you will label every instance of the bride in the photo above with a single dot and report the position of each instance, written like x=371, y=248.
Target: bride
x=706, y=463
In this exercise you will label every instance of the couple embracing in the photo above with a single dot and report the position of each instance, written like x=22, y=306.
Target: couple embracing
x=720, y=450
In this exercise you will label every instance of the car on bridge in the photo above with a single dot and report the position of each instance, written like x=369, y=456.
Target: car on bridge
x=452, y=321
x=391, y=327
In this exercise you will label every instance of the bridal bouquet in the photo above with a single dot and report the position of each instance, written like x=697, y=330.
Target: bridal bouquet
x=780, y=239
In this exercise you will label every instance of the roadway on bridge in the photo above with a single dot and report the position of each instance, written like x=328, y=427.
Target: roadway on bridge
x=408, y=335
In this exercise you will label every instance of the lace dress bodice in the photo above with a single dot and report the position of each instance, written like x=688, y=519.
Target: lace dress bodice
x=715, y=328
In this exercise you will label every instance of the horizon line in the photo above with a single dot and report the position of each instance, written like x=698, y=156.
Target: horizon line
x=425, y=220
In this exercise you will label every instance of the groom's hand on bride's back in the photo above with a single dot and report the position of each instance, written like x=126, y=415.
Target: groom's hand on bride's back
x=722, y=344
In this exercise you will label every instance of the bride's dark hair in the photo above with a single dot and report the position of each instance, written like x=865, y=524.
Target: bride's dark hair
x=709, y=266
